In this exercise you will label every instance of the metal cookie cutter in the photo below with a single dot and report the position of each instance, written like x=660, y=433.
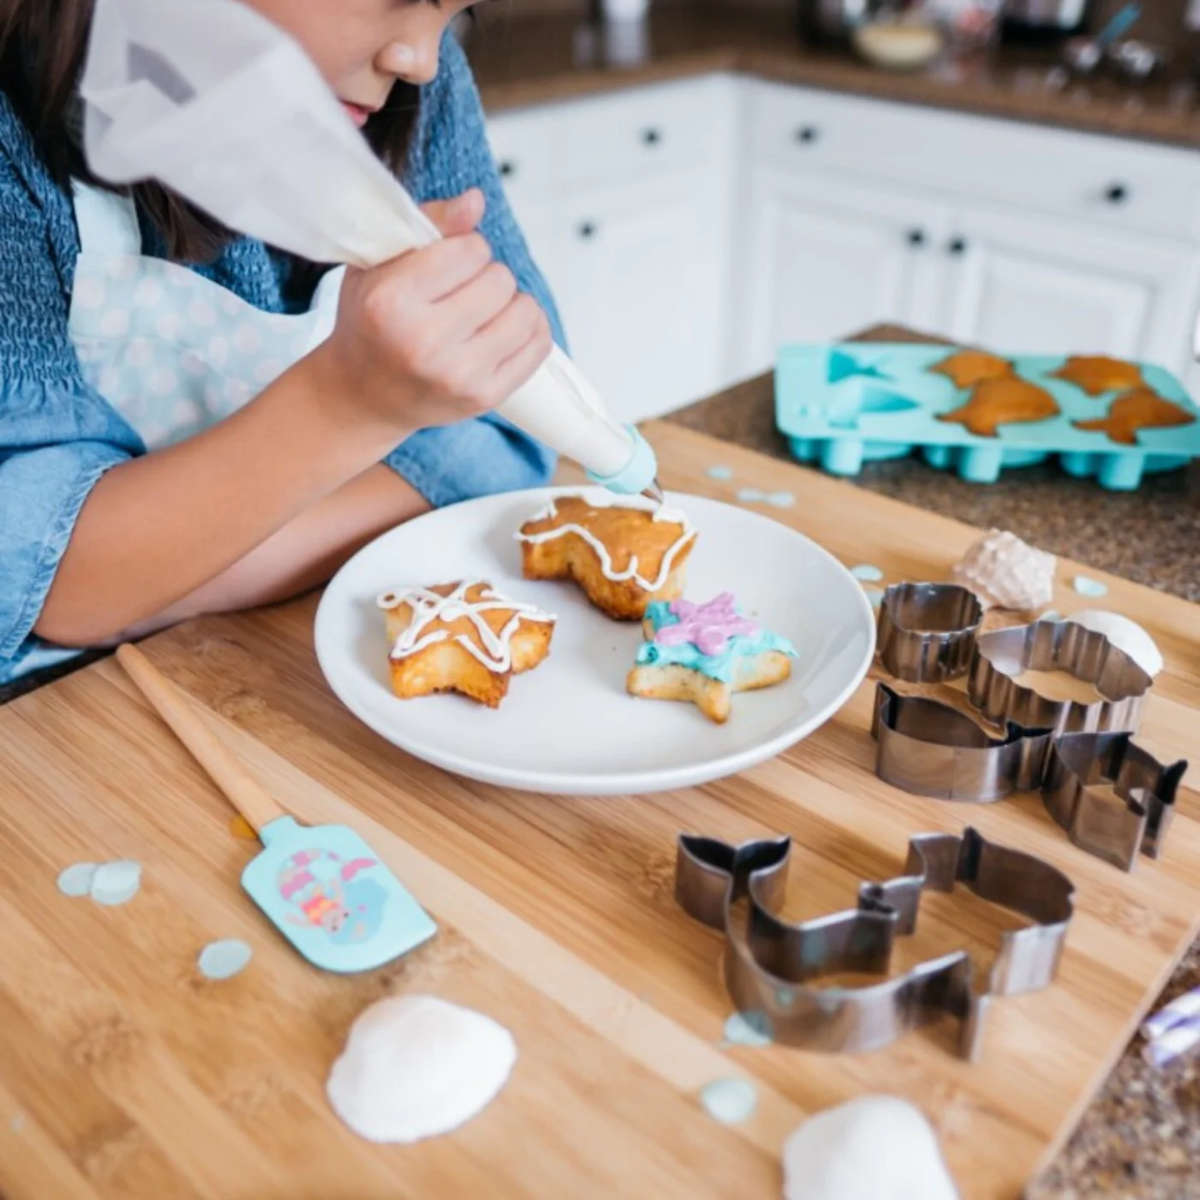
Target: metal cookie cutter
x=1004, y=654
x=928, y=748
x=1114, y=799
x=927, y=630
x=770, y=963
x=931, y=749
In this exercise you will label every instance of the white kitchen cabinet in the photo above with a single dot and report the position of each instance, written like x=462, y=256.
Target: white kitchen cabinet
x=640, y=292
x=624, y=200
x=823, y=256
x=1128, y=186
x=690, y=229
x=1019, y=282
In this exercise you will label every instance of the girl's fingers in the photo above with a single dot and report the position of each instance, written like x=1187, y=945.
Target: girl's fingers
x=435, y=272
x=457, y=215
x=505, y=334
x=519, y=366
x=477, y=303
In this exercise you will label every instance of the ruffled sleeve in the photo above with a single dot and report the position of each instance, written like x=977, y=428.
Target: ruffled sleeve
x=450, y=154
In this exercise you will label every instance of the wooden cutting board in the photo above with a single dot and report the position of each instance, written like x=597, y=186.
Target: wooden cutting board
x=127, y=1075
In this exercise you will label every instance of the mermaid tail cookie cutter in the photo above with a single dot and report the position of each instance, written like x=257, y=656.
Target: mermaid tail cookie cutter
x=1115, y=828
x=770, y=963
x=931, y=749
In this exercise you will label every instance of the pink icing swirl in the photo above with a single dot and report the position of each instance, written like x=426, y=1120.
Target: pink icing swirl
x=709, y=627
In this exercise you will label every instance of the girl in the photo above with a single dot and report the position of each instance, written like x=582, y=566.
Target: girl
x=191, y=422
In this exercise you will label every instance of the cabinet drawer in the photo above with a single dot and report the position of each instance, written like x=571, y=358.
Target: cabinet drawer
x=646, y=131
x=1123, y=183
x=526, y=146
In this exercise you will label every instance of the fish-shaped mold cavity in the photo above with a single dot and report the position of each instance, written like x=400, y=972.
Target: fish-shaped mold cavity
x=1140, y=408
x=844, y=411
x=1097, y=373
x=846, y=366
x=966, y=368
x=996, y=402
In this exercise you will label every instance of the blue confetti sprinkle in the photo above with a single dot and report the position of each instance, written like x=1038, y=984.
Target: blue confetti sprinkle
x=720, y=472
x=781, y=499
x=76, y=880
x=868, y=572
x=117, y=881
x=1087, y=586
x=729, y=1100
x=751, y=495
x=224, y=959
x=874, y=595
x=748, y=1029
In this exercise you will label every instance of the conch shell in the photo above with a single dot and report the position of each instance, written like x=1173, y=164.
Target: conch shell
x=1005, y=572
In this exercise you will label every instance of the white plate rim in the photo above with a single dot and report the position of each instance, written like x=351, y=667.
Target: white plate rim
x=632, y=782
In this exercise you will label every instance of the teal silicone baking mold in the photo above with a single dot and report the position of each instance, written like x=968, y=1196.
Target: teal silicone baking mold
x=845, y=404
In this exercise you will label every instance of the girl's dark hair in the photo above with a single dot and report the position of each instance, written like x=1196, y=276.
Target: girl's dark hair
x=42, y=48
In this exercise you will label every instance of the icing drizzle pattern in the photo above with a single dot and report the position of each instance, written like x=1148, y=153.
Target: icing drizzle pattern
x=493, y=650
x=662, y=513
x=679, y=650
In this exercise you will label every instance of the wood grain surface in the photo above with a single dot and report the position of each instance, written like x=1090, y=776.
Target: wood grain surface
x=126, y=1074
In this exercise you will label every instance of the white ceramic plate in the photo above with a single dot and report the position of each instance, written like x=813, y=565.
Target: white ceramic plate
x=569, y=726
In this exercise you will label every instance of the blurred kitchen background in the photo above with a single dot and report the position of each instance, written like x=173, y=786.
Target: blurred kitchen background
x=708, y=181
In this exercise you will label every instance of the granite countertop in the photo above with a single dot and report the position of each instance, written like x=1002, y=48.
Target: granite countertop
x=522, y=61
x=1140, y=1137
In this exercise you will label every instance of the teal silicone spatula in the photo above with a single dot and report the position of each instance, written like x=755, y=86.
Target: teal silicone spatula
x=322, y=886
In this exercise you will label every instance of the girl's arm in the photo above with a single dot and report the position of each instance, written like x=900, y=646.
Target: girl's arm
x=156, y=527
x=437, y=335
x=305, y=552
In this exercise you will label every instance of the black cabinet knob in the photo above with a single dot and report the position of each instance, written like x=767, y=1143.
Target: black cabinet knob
x=651, y=136
x=916, y=237
x=807, y=134
x=957, y=246
x=507, y=167
x=587, y=230
x=1116, y=193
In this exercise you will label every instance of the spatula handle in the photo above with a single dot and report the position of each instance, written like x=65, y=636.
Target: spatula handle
x=244, y=792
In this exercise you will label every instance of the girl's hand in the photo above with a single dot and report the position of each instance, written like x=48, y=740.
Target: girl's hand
x=437, y=335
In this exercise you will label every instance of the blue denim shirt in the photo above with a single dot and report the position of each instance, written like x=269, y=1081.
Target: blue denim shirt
x=58, y=435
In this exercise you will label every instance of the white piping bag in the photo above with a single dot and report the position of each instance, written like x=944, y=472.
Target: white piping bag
x=220, y=105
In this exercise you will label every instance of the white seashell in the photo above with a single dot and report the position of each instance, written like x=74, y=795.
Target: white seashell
x=1005, y=572
x=872, y=1148
x=1125, y=634
x=415, y=1066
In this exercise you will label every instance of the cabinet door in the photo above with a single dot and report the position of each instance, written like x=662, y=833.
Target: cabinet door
x=1025, y=283
x=641, y=294
x=823, y=256
x=525, y=144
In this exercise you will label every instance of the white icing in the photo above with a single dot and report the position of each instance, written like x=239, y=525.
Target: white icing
x=1125, y=634
x=428, y=607
x=607, y=569
x=871, y=1148
x=417, y=1066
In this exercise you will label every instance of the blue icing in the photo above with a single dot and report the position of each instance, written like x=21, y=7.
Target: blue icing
x=715, y=666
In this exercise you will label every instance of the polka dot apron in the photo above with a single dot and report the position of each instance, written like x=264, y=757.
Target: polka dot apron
x=172, y=351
